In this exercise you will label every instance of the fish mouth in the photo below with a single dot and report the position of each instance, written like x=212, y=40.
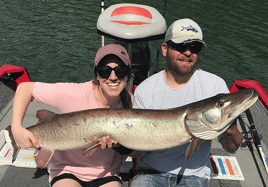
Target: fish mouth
x=239, y=109
x=212, y=133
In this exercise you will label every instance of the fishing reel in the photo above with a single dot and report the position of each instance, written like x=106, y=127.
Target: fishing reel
x=250, y=137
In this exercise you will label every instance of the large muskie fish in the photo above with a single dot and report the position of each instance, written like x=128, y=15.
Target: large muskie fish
x=139, y=129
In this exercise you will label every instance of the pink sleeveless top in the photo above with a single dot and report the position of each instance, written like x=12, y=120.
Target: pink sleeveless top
x=70, y=97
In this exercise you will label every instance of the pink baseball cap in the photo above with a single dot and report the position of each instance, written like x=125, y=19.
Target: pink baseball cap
x=114, y=49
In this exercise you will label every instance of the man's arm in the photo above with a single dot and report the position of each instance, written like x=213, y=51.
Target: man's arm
x=232, y=138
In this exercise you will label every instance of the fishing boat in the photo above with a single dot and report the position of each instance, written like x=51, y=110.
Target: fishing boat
x=133, y=26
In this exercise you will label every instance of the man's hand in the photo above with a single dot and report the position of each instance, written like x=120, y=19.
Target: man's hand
x=232, y=138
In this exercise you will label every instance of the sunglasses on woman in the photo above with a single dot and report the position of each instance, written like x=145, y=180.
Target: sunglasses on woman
x=120, y=71
x=194, y=47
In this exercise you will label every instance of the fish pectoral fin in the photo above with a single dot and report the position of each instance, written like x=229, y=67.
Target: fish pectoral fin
x=43, y=115
x=190, y=148
x=91, y=149
x=199, y=143
x=43, y=157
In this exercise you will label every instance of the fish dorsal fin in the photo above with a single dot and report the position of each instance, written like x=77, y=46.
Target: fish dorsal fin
x=43, y=115
x=195, y=143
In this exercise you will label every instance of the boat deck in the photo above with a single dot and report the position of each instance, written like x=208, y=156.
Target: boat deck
x=248, y=158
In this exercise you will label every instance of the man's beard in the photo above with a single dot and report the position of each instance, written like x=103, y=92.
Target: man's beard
x=180, y=69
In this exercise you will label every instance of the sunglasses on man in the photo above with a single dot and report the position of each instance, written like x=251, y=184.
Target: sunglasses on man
x=194, y=46
x=120, y=71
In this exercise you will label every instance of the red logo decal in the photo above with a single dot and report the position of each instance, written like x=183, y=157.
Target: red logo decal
x=132, y=10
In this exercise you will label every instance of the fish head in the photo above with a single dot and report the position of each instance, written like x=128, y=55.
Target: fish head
x=209, y=118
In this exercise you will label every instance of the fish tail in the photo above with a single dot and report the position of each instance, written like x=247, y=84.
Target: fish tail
x=13, y=143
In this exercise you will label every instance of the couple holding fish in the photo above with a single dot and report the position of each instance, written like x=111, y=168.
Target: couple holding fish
x=180, y=84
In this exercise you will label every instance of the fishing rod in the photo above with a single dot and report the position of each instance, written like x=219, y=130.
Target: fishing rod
x=159, y=45
x=102, y=9
x=193, y=9
x=255, y=137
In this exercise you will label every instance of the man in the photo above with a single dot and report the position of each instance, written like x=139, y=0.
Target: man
x=181, y=83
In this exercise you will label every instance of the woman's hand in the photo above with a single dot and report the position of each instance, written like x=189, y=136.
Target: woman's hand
x=106, y=142
x=24, y=138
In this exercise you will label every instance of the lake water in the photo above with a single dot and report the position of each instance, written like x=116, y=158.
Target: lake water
x=57, y=41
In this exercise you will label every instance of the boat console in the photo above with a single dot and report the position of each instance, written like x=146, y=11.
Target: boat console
x=132, y=26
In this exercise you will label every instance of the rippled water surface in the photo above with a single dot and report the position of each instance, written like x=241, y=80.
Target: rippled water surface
x=57, y=40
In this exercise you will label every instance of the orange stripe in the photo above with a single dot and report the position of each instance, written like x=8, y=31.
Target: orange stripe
x=132, y=10
x=7, y=153
x=229, y=166
x=130, y=22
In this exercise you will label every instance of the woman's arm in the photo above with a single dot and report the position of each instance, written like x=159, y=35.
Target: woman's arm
x=22, y=99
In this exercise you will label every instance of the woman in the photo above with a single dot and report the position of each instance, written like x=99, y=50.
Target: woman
x=106, y=90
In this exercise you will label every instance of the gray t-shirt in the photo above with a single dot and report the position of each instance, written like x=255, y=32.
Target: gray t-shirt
x=153, y=93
